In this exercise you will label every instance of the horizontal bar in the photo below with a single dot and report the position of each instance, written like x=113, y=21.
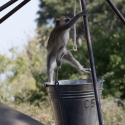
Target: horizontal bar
x=13, y=11
x=116, y=11
x=7, y=4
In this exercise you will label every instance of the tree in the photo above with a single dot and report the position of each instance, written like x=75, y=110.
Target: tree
x=110, y=62
x=25, y=72
x=4, y=71
x=100, y=14
x=30, y=70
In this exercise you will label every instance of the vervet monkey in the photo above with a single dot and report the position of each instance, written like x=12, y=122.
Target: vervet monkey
x=57, y=43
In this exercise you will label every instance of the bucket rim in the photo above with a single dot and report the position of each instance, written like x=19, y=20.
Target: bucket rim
x=81, y=82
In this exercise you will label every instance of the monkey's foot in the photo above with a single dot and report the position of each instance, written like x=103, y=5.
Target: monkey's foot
x=86, y=70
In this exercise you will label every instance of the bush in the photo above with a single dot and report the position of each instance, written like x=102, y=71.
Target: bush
x=112, y=113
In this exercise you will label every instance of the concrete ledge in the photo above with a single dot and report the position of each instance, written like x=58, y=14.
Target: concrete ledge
x=9, y=116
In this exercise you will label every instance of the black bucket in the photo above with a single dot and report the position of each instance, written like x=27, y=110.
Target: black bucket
x=73, y=101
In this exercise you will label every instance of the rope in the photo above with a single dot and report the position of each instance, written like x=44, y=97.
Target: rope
x=74, y=27
x=80, y=5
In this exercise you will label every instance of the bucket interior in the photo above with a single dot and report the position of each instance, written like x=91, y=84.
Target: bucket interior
x=74, y=82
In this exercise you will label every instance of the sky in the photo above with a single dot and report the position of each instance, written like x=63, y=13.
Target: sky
x=17, y=29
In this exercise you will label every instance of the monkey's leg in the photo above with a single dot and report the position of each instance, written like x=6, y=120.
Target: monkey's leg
x=51, y=64
x=59, y=54
x=70, y=59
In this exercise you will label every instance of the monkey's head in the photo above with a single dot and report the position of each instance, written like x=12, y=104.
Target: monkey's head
x=62, y=21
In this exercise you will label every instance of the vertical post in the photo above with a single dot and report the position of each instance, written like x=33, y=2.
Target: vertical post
x=94, y=79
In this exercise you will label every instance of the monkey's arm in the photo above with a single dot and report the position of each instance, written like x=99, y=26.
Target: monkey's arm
x=72, y=21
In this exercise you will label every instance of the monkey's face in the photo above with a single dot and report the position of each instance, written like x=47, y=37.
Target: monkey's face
x=62, y=21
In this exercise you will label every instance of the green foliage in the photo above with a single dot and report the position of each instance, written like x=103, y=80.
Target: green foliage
x=5, y=67
x=25, y=73
x=49, y=10
x=110, y=62
x=4, y=64
x=100, y=13
x=34, y=58
x=112, y=113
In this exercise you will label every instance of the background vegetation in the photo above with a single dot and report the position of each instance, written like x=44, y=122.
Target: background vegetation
x=23, y=76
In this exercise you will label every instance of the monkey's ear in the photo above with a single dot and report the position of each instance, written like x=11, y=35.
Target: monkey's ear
x=56, y=22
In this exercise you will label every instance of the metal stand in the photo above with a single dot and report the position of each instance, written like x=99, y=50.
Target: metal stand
x=7, y=4
x=116, y=11
x=13, y=10
x=88, y=38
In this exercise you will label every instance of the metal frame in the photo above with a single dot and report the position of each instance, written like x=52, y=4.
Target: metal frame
x=7, y=4
x=88, y=39
x=116, y=11
x=13, y=10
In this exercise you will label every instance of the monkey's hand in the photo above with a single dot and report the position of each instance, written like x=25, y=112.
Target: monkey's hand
x=83, y=13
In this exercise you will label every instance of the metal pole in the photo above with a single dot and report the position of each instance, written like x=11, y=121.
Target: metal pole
x=13, y=10
x=7, y=4
x=88, y=38
x=116, y=11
